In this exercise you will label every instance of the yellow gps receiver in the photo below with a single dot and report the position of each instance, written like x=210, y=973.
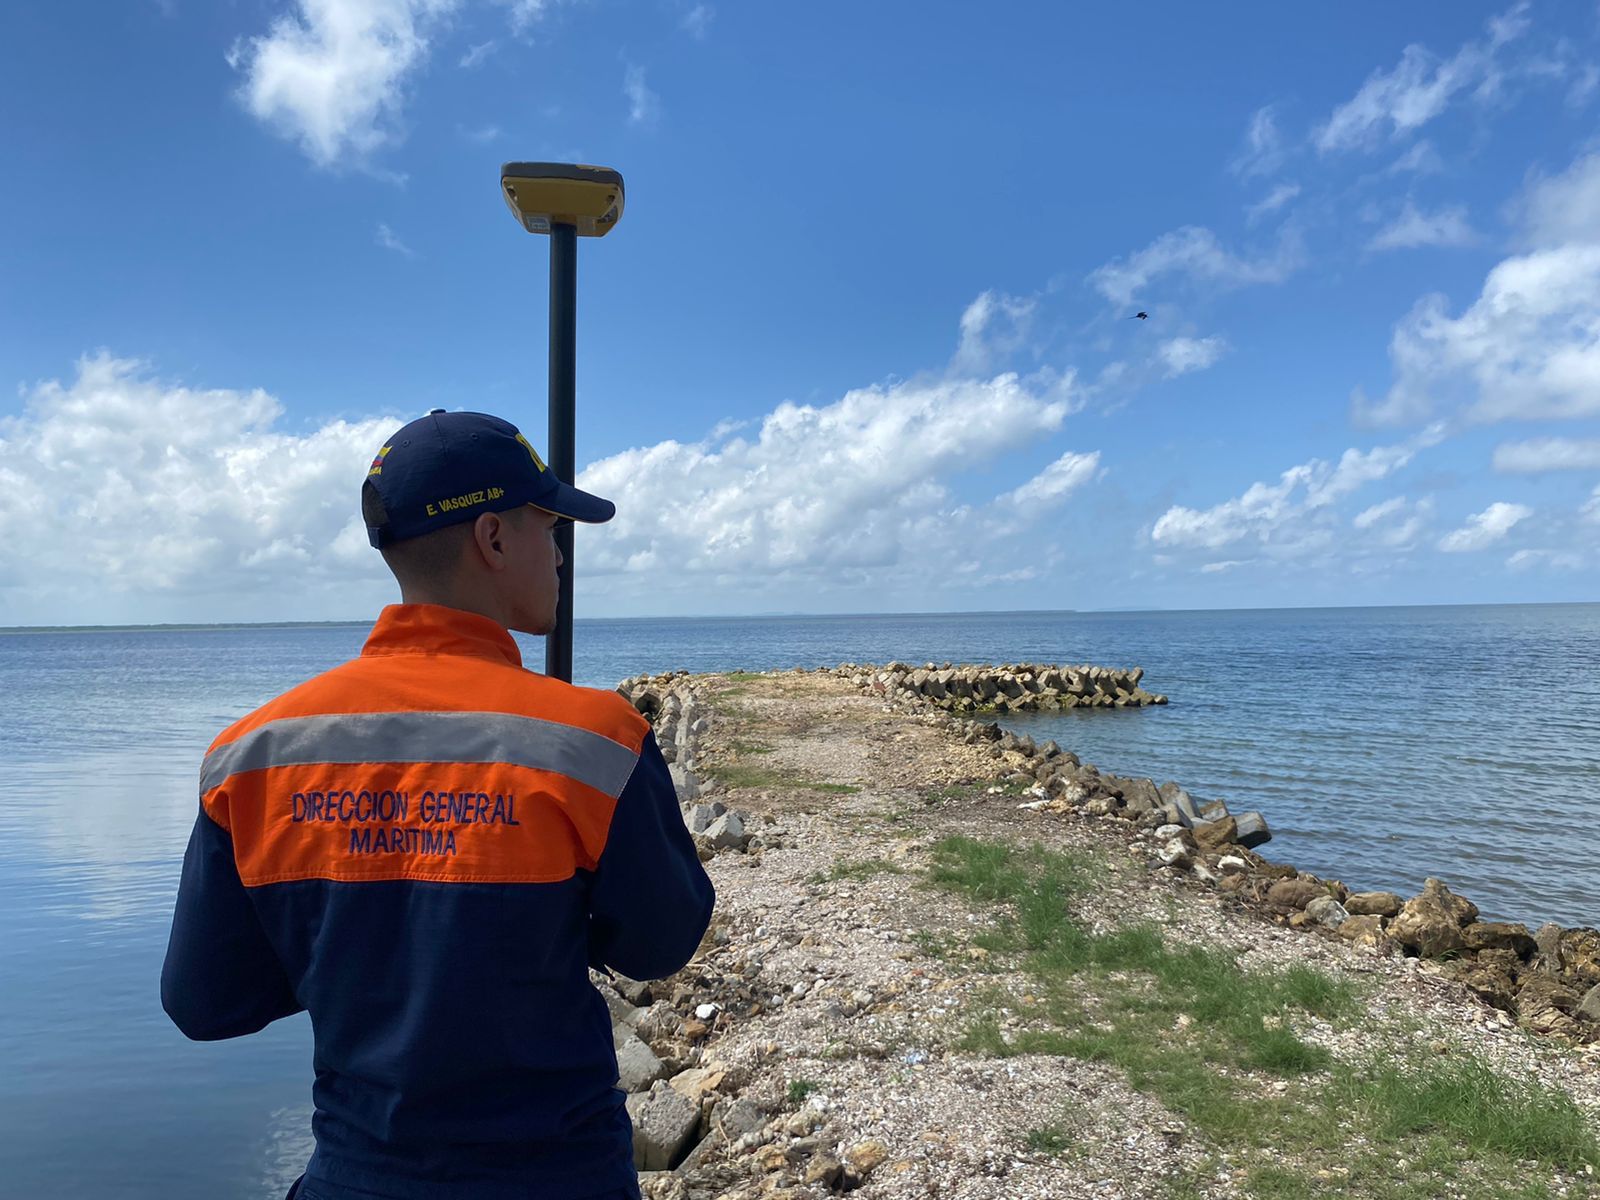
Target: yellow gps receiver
x=540, y=195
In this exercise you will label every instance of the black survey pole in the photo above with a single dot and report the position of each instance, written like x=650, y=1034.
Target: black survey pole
x=563, y=422
x=566, y=201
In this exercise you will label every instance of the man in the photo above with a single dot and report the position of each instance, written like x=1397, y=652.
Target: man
x=427, y=847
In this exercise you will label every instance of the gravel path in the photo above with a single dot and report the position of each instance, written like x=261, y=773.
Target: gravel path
x=842, y=983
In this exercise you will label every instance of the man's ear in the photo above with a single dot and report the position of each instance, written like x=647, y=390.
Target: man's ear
x=487, y=531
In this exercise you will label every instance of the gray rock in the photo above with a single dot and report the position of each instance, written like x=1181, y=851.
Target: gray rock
x=1179, y=799
x=1214, y=811
x=634, y=991
x=727, y=832
x=684, y=783
x=1253, y=830
x=1140, y=796
x=700, y=817
x=1171, y=814
x=663, y=1123
x=1589, y=1006
x=1325, y=910
x=735, y=1118
x=1174, y=854
x=1548, y=940
x=622, y=1013
x=637, y=1064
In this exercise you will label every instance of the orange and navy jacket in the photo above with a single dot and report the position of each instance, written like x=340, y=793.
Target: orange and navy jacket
x=426, y=849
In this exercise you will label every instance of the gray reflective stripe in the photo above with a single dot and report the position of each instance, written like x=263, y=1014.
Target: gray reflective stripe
x=448, y=737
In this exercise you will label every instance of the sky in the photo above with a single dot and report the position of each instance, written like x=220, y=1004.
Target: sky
x=865, y=338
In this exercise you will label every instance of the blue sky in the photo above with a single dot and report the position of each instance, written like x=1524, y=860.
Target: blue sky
x=862, y=341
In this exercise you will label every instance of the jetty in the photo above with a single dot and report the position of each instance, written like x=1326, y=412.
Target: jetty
x=946, y=961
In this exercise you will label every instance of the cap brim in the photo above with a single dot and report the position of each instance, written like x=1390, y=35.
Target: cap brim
x=567, y=501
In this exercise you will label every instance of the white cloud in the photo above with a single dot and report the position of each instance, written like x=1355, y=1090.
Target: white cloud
x=1591, y=508
x=1413, y=228
x=1272, y=201
x=1561, y=560
x=1262, y=152
x=993, y=326
x=525, y=13
x=1219, y=568
x=858, y=487
x=697, y=21
x=387, y=239
x=1486, y=528
x=1583, y=87
x=1194, y=251
x=1563, y=208
x=476, y=54
x=1053, y=484
x=1369, y=517
x=1181, y=355
x=1395, y=523
x=331, y=75
x=1548, y=454
x=1420, y=159
x=123, y=497
x=482, y=136
x=1419, y=88
x=1282, y=513
x=1528, y=348
x=644, y=106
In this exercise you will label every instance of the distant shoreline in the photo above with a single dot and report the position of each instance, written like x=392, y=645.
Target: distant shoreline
x=203, y=627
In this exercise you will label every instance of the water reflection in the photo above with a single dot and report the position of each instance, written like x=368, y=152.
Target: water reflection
x=106, y=831
x=285, y=1148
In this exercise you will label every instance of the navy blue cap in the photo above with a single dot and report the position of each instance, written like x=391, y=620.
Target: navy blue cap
x=448, y=467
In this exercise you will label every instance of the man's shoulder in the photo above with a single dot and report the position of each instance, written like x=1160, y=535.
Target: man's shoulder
x=603, y=710
x=503, y=688
x=304, y=699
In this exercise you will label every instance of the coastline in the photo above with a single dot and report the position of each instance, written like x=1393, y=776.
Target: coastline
x=853, y=1022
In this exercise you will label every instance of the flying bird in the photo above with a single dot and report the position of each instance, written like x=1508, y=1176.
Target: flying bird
x=1140, y=316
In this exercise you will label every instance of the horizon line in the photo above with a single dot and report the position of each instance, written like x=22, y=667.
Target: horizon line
x=180, y=626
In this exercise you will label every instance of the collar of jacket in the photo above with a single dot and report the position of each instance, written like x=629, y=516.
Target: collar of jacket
x=435, y=629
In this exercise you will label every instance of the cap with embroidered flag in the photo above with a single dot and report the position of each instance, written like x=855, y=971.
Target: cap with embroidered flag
x=449, y=467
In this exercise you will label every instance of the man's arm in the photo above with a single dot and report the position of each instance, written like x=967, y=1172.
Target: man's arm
x=651, y=901
x=221, y=978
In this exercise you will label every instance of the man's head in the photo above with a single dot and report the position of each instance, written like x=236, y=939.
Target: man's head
x=464, y=512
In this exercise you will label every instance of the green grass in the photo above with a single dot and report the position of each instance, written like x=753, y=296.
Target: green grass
x=1187, y=1025
x=1047, y=1139
x=857, y=869
x=799, y=1089
x=750, y=775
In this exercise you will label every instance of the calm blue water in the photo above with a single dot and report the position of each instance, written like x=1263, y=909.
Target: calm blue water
x=1383, y=745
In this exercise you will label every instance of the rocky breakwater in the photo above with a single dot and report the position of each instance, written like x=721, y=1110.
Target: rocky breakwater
x=684, y=1110
x=1545, y=980
x=1010, y=687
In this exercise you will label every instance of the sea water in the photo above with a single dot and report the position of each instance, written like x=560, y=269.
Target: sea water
x=1383, y=746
